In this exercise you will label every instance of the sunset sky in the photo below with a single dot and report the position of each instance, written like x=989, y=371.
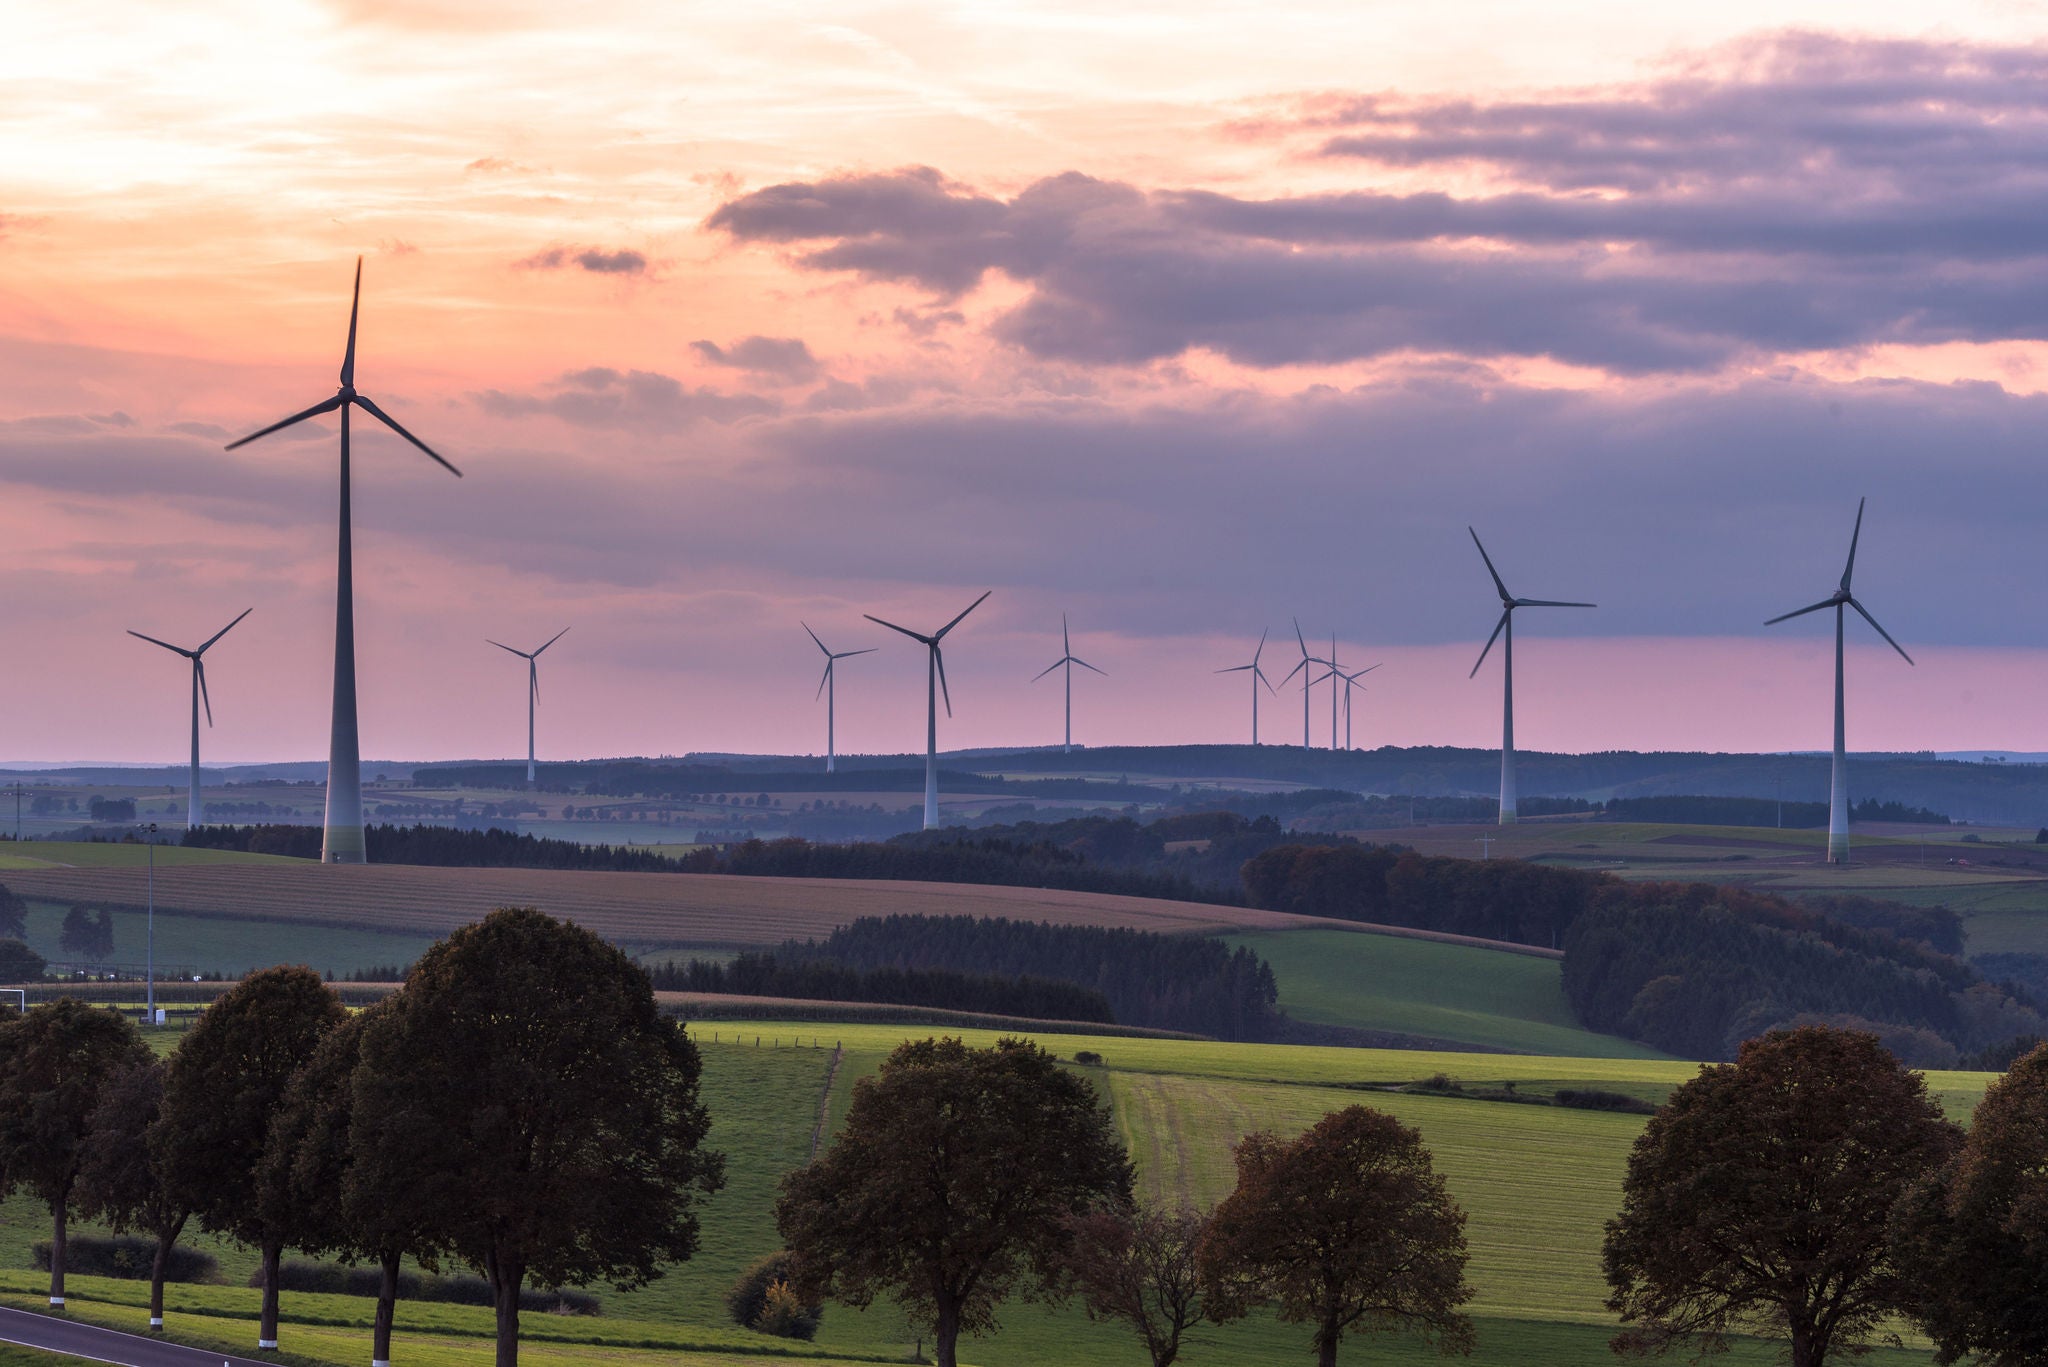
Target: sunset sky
x=1184, y=319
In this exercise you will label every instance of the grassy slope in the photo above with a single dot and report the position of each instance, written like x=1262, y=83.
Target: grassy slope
x=1455, y=993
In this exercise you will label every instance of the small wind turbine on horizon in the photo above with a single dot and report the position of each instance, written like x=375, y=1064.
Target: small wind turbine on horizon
x=342, y=837
x=532, y=658
x=1303, y=670
x=1350, y=681
x=1068, y=659
x=828, y=686
x=935, y=685
x=1508, y=604
x=1258, y=677
x=1838, y=786
x=195, y=815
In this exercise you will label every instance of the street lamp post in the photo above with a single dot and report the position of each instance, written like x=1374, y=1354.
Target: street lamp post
x=150, y=970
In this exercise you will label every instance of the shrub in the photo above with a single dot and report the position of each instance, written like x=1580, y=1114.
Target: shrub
x=1088, y=1057
x=127, y=1258
x=784, y=1314
x=761, y=1298
x=333, y=1279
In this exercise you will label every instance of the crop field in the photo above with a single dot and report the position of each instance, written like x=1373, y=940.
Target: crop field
x=1459, y=994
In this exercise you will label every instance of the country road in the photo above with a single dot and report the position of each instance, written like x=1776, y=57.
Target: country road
x=90, y=1343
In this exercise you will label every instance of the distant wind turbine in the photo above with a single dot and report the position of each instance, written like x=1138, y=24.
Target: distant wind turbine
x=829, y=686
x=1067, y=658
x=1350, y=681
x=934, y=685
x=1838, y=787
x=1508, y=604
x=1258, y=677
x=195, y=815
x=1303, y=670
x=532, y=658
x=342, y=839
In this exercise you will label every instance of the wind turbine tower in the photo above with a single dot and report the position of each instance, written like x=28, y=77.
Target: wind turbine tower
x=1838, y=786
x=1258, y=677
x=1068, y=659
x=532, y=658
x=934, y=686
x=342, y=840
x=1350, y=681
x=195, y=812
x=1306, y=684
x=829, y=686
x=1506, y=625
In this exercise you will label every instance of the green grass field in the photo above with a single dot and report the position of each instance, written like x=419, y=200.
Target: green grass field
x=217, y=944
x=1459, y=994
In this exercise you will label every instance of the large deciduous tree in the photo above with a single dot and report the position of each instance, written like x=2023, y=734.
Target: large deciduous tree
x=1976, y=1236
x=1348, y=1228
x=120, y=1182
x=1138, y=1265
x=951, y=1185
x=55, y=1063
x=1761, y=1198
x=523, y=1099
x=225, y=1084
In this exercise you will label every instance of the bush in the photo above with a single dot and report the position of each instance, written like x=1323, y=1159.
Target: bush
x=1593, y=1099
x=129, y=1258
x=1088, y=1057
x=762, y=1300
x=332, y=1279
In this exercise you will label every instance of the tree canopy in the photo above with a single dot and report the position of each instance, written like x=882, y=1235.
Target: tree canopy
x=1761, y=1198
x=1348, y=1228
x=1138, y=1265
x=950, y=1185
x=119, y=1181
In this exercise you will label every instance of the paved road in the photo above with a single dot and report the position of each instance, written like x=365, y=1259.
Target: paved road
x=93, y=1344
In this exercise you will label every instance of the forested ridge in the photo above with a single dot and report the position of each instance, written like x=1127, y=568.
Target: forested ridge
x=793, y=974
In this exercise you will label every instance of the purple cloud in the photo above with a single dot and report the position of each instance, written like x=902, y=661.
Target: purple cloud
x=783, y=358
x=624, y=261
x=637, y=399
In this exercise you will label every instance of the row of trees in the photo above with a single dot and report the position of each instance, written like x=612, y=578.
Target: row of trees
x=520, y=1107
x=767, y=975
x=966, y=1176
x=1813, y=1191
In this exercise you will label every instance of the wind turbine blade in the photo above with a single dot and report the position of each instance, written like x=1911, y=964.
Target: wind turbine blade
x=222, y=632
x=1234, y=669
x=849, y=654
x=199, y=668
x=940, y=634
x=1317, y=683
x=502, y=646
x=1550, y=603
x=533, y=677
x=1260, y=675
x=1854, y=537
x=1299, y=639
x=814, y=636
x=381, y=416
x=823, y=679
x=1828, y=603
x=939, y=659
x=1085, y=665
x=550, y=641
x=1261, y=650
x=1505, y=596
x=913, y=635
x=1048, y=669
x=1881, y=631
x=1066, y=642
x=179, y=650
x=1491, y=639
x=1367, y=670
x=1305, y=662
x=324, y=406
x=348, y=357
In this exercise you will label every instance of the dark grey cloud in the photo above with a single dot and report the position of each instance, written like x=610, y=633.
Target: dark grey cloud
x=783, y=358
x=624, y=261
x=631, y=399
x=1823, y=194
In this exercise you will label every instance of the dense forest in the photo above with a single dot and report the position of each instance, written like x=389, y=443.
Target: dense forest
x=813, y=979
x=445, y=846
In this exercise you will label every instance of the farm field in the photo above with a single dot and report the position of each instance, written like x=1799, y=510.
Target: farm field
x=1459, y=994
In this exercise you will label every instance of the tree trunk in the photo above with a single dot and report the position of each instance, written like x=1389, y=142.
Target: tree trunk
x=506, y=1280
x=166, y=1240
x=946, y=1333
x=387, y=1308
x=1809, y=1346
x=60, y=1212
x=273, y=1254
x=1328, y=1335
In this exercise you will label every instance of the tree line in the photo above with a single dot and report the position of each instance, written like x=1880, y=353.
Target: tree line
x=440, y=846
x=775, y=975
x=519, y=1107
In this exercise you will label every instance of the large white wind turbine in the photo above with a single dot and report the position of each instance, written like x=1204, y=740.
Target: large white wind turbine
x=1303, y=670
x=829, y=686
x=342, y=840
x=1838, y=787
x=934, y=686
x=1068, y=659
x=532, y=658
x=1258, y=677
x=195, y=813
x=1506, y=624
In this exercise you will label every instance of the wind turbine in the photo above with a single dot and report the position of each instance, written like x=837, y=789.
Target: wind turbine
x=1508, y=604
x=195, y=815
x=532, y=658
x=1302, y=669
x=1838, y=786
x=934, y=685
x=1067, y=658
x=828, y=686
x=1350, y=681
x=1258, y=677
x=342, y=840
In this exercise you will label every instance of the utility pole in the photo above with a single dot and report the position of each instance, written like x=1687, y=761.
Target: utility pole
x=150, y=971
x=1486, y=846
